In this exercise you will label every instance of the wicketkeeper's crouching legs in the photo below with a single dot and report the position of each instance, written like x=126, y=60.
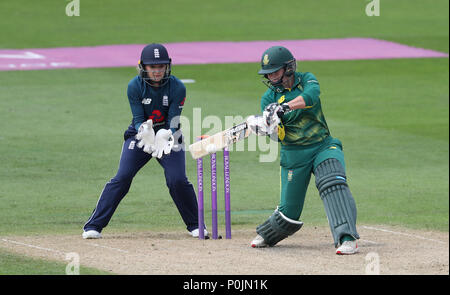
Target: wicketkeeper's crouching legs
x=339, y=204
x=180, y=189
x=131, y=161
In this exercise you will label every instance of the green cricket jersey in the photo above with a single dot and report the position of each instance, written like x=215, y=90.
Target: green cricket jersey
x=303, y=126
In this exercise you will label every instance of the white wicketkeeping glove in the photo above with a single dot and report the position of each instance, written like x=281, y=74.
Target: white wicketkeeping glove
x=146, y=136
x=258, y=126
x=163, y=143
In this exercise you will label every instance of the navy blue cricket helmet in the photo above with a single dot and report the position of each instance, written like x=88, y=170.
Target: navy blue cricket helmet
x=155, y=54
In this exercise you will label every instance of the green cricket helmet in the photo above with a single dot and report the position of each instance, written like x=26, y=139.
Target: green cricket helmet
x=274, y=59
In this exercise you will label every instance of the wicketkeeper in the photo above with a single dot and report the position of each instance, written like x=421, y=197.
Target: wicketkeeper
x=156, y=98
x=293, y=105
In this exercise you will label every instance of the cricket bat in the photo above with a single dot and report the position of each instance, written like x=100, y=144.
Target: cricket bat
x=211, y=144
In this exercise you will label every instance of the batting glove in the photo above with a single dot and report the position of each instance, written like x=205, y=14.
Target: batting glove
x=274, y=111
x=258, y=126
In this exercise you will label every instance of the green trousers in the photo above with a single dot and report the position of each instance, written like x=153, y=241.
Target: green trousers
x=297, y=165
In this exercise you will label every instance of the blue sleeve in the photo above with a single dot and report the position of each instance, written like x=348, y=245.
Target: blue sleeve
x=176, y=107
x=135, y=98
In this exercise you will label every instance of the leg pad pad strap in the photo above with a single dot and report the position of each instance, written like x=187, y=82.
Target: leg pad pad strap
x=338, y=201
x=277, y=228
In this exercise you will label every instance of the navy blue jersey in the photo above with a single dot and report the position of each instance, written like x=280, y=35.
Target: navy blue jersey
x=161, y=104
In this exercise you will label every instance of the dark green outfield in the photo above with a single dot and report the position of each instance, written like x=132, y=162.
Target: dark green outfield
x=45, y=24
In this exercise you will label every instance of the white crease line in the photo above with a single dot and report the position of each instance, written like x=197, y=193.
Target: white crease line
x=367, y=241
x=57, y=251
x=110, y=248
x=404, y=234
x=120, y=250
x=33, y=246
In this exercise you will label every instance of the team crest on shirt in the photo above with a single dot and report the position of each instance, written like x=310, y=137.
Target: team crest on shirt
x=165, y=101
x=157, y=117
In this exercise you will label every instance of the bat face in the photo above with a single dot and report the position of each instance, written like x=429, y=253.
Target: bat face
x=218, y=141
x=236, y=133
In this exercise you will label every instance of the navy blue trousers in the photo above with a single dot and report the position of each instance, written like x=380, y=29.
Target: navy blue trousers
x=132, y=160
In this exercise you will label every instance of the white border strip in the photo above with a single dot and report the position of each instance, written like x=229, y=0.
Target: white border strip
x=57, y=251
x=404, y=234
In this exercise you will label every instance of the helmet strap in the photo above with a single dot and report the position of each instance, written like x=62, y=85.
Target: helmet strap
x=289, y=70
x=277, y=88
